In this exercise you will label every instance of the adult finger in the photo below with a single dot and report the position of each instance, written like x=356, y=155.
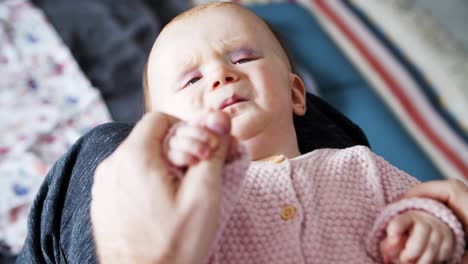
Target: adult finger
x=203, y=180
x=150, y=130
x=218, y=122
x=145, y=142
x=452, y=192
x=199, y=197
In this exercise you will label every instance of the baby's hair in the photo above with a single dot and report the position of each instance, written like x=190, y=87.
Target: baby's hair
x=198, y=9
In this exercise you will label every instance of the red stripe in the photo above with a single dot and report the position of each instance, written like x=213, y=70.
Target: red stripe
x=393, y=85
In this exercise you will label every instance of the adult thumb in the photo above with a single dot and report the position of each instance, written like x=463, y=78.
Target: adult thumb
x=199, y=197
x=205, y=176
x=220, y=124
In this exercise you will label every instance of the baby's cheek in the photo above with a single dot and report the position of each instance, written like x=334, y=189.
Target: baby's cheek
x=178, y=107
x=189, y=105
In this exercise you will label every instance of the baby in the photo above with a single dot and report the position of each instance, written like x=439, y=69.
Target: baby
x=326, y=206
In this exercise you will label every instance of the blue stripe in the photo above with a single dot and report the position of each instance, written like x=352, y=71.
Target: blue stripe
x=414, y=72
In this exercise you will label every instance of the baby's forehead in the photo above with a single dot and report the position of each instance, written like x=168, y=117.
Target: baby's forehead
x=222, y=9
x=237, y=27
x=185, y=38
x=224, y=17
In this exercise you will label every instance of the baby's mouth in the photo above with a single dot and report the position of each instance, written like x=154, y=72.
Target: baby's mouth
x=231, y=101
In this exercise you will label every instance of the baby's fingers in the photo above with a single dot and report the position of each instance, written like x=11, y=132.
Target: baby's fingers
x=396, y=237
x=184, y=151
x=432, y=249
x=192, y=146
x=181, y=159
x=198, y=133
x=417, y=241
x=446, y=247
x=399, y=226
x=391, y=248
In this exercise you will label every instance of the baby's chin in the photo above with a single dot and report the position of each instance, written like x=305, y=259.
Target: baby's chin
x=246, y=127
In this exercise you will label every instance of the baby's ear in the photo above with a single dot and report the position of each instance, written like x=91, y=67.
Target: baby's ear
x=298, y=95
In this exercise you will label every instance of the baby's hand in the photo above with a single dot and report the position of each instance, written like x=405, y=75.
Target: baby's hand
x=417, y=237
x=189, y=144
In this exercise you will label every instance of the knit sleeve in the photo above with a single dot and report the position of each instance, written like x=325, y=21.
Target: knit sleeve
x=394, y=183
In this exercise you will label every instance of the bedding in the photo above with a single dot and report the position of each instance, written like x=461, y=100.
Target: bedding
x=46, y=104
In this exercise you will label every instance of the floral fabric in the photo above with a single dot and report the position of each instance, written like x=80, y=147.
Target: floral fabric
x=46, y=103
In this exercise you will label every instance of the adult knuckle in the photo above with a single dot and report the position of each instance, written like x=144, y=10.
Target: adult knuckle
x=457, y=184
x=144, y=121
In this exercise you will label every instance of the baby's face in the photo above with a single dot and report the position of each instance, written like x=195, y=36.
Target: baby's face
x=226, y=59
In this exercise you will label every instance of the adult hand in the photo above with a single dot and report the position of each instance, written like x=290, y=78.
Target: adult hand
x=142, y=214
x=453, y=193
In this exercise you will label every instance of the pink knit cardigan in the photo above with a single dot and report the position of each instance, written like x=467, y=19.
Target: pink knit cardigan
x=327, y=206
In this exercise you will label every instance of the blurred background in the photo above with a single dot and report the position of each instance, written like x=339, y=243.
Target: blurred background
x=397, y=68
x=452, y=15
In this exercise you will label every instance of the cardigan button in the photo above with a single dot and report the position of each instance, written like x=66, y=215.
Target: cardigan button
x=276, y=159
x=288, y=212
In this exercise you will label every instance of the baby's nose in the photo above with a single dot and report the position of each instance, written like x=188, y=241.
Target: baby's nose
x=224, y=76
x=224, y=80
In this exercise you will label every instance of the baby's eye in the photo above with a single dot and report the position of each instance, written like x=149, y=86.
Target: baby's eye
x=243, y=60
x=193, y=80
